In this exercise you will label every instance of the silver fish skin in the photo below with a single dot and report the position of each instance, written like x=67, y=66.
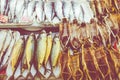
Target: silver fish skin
x=67, y=6
x=16, y=35
x=8, y=53
x=56, y=50
x=25, y=14
x=58, y=9
x=48, y=10
x=71, y=16
x=12, y=6
x=86, y=9
x=31, y=7
x=41, y=48
x=19, y=8
x=3, y=35
x=3, y=6
x=29, y=50
x=39, y=11
x=76, y=9
x=6, y=44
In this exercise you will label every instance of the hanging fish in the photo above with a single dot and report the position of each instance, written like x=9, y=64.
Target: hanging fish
x=12, y=5
x=31, y=7
x=55, y=51
x=66, y=8
x=15, y=36
x=48, y=9
x=19, y=8
x=76, y=9
x=39, y=11
x=41, y=48
x=74, y=40
x=28, y=56
x=3, y=35
x=3, y=4
x=58, y=9
x=93, y=8
x=48, y=48
x=86, y=9
x=24, y=17
x=17, y=53
x=6, y=45
x=58, y=68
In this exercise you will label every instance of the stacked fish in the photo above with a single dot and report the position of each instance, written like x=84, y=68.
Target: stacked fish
x=51, y=11
x=7, y=41
x=73, y=34
x=91, y=63
x=88, y=49
x=35, y=58
x=39, y=56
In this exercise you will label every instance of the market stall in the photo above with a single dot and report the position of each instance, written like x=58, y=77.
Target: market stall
x=59, y=40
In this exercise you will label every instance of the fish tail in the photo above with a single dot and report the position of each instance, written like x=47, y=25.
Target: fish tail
x=29, y=76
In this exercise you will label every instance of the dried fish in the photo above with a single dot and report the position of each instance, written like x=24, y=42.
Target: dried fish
x=76, y=9
x=28, y=56
x=74, y=40
x=12, y=5
x=102, y=62
x=86, y=9
x=17, y=53
x=56, y=51
x=67, y=6
x=41, y=51
x=49, y=47
x=89, y=67
x=39, y=11
x=6, y=45
x=48, y=9
x=58, y=9
x=19, y=9
x=64, y=33
x=3, y=34
x=3, y=4
x=115, y=56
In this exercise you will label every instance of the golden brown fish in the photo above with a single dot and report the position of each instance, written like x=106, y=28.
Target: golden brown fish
x=48, y=48
x=56, y=50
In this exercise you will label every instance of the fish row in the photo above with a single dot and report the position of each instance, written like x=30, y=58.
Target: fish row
x=73, y=34
x=38, y=11
x=40, y=56
x=33, y=56
x=102, y=8
x=7, y=41
x=91, y=63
